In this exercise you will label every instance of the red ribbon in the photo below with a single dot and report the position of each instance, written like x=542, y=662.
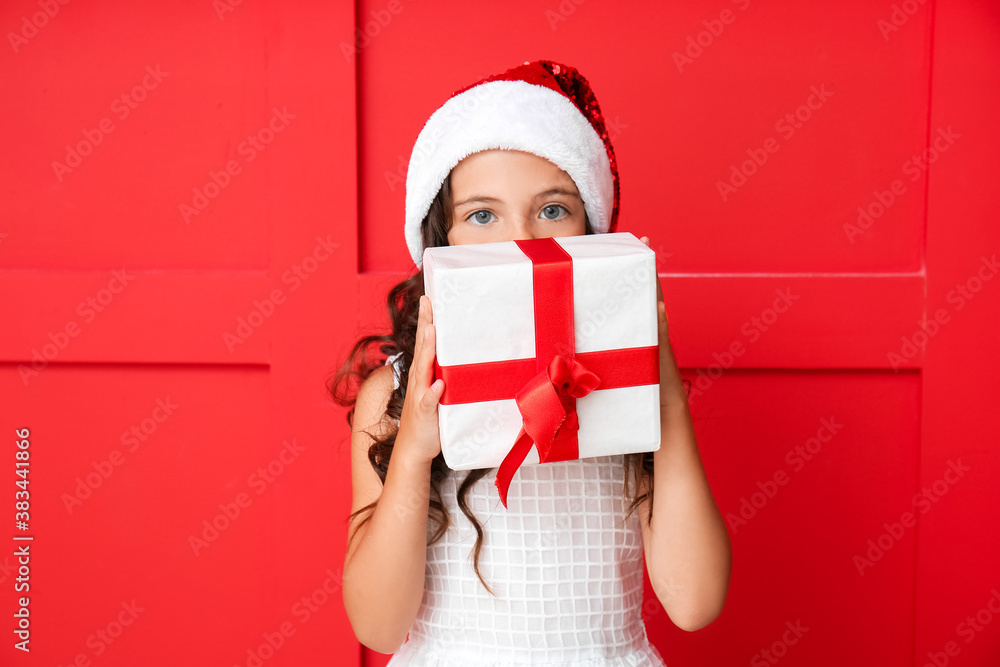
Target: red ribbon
x=547, y=386
x=548, y=407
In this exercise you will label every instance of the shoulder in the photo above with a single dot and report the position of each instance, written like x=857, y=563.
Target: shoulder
x=369, y=423
x=373, y=397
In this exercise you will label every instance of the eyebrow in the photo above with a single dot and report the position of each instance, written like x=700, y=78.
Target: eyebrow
x=557, y=191
x=483, y=199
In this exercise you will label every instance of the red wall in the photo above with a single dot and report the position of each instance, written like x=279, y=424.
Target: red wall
x=203, y=211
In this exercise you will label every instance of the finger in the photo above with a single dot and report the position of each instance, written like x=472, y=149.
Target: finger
x=427, y=353
x=661, y=338
x=664, y=322
x=432, y=396
x=418, y=346
x=420, y=323
x=434, y=390
x=425, y=362
x=659, y=290
x=436, y=387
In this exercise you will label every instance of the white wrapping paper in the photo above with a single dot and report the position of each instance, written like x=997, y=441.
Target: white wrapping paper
x=481, y=298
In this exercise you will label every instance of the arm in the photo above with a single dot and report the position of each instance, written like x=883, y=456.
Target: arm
x=687, y=547
x=385, y=560
x=384, y=565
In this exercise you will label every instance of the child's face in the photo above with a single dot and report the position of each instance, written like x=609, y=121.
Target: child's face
x=504, y=195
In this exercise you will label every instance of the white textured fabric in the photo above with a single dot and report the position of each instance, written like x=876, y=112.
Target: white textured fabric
x=565, y=565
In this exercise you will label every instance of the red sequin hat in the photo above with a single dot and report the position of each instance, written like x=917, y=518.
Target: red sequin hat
x=540, y=107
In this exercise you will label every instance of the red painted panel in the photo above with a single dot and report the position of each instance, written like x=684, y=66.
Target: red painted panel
x=806, y=466
x=678, y=128
x=152, y=99
x=285, y=222
x=958, y=568
x=124, y=315
x=127, y=462
x=678, y=131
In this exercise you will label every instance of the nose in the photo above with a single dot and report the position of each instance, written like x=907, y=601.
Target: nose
x=522, y=229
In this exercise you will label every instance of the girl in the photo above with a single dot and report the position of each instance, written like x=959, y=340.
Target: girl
x=437, y=571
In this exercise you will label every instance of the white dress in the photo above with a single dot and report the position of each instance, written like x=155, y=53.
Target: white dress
x=567, y=574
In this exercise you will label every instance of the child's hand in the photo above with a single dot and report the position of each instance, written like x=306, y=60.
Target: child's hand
x=671, y=386
x=418, y=436
x=660, y=306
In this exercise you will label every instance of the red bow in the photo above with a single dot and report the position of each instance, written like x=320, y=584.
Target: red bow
x=548, y=406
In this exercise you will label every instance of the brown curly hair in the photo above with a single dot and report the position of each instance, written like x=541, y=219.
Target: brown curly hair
x=403, y=301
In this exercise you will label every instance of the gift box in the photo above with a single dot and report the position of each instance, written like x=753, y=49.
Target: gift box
x=548, y=349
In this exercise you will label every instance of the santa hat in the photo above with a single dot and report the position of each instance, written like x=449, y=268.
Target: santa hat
x=540, y=107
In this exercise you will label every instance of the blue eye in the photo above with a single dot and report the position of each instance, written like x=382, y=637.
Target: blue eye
x=481, y=216
x=554, y=212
